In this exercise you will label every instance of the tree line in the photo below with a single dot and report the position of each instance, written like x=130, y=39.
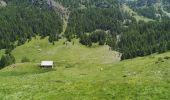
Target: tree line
x=143, y=39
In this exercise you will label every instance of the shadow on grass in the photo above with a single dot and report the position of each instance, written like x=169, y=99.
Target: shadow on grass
x=17, y=73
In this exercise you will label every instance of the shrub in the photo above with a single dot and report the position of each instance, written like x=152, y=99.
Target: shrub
x=69, y=66
x=166, y=57
x=25, y=59
x=160, y=59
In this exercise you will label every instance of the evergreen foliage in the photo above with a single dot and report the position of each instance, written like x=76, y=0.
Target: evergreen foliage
x=25, y=59
x=144, y=39
x=21, y=20
x=6, y=60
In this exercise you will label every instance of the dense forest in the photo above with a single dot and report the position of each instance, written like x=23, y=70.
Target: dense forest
x=88, y=20
x=78, y=4
x=120, y=31
x=138, y=39
x=21, y=20
x=142, y=39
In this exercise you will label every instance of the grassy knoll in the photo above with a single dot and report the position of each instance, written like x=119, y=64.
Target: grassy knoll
x=79, y=77
x=135, y=15
x=40, y=49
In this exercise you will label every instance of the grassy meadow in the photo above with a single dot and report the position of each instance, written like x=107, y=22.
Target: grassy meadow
x=83, y=73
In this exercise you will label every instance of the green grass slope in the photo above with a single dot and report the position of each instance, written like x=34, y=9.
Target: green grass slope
x=77, y=76
x=40, y=49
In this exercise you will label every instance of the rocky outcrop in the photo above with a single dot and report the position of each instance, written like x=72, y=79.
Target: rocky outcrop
x=59, y=8
x=3, y=3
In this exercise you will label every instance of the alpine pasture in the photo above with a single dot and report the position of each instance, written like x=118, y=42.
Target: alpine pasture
x=83, y=73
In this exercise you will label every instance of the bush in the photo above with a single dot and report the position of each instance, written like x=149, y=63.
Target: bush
x=160, y=59
x=85, y=40
x=166, y=57
x=25, y=59
x=69, y=66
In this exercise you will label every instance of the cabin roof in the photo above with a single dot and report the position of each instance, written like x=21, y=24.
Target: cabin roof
x=46, y=63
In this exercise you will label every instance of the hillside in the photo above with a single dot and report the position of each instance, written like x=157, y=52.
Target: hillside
x=102, y=49
x=154, y=9
x=83, y=73
x=123, y=25
x=64, y=52
x=135, y=14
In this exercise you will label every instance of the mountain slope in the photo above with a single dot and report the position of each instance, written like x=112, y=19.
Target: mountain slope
x=64, y=52
x=86, y=72
x=96, y=21
x=154, y=9
x=140, y=78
